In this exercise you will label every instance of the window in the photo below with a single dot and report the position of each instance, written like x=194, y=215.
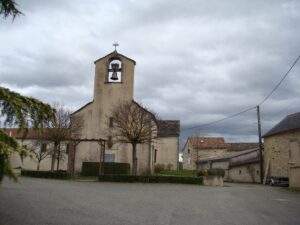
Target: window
x=68, y=148
x=155, y=155
x=43, y=147
x=109, y=157
x=109, y=142
x=114, y=71
x=111, y=122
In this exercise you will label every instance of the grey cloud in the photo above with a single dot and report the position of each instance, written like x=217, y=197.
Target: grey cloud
x=197, y=61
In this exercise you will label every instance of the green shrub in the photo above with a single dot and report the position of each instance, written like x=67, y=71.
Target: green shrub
x=159, y=168
x=181, y=173
x=151, y=179
x=60, y=174
x=212, y=172
x=92, y=168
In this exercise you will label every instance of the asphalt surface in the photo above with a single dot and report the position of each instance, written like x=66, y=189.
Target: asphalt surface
x=35, y=201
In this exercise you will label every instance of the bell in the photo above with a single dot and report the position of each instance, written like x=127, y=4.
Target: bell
x=115, y=68
x=114, y=76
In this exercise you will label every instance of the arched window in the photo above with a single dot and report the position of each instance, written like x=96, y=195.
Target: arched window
x=114, y=71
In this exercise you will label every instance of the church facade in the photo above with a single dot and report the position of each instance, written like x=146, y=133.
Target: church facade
x=114, y=84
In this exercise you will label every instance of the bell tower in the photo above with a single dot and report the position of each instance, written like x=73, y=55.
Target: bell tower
x=113, y=84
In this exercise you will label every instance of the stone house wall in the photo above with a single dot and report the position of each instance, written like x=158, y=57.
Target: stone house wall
x=248, y=173
x=277, y=152
x=191, y=155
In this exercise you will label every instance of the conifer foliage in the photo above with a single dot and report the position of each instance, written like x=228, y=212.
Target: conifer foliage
x=22, y=112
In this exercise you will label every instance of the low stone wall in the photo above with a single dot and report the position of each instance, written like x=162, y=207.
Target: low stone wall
x=213, y=180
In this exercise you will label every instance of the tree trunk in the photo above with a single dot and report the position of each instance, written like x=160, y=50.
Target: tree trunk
x=2, y=162
x=58, y=157
x=53, y=157
x=102, y=159
x=134, y=160
x=38, y=166
x=149, y=158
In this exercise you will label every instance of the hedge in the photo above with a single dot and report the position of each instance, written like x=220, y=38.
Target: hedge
x=61, y=174
x=92, y=168
x=151, y=179
x=212, y=172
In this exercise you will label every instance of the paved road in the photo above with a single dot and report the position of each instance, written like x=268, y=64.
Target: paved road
x=35, y=201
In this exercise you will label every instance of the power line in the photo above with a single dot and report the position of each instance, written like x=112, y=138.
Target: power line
x=217, y=121
x=248, y=109
x=282, y=79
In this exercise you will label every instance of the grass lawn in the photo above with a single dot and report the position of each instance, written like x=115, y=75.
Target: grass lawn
x=181, y=173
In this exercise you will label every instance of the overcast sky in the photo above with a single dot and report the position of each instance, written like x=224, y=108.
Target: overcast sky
x=197, y=61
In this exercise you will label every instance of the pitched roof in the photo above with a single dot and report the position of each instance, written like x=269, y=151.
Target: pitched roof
x=82, y=107
x=235, y=158
x=115, y=54
x=207, y=142
x=146, y=110
x=241, y=146
x=25, y=134
x=290, y=122
x=245, y=157
x=168, y=128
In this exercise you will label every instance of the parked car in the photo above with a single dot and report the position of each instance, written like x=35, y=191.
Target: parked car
x=278, y=181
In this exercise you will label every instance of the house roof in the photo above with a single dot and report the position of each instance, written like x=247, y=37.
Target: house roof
x=82, y=107
x=290, y=122
x=235, y=158
x=241, y=146
x=244, y=158
x=115, y=54
x=25, y=134
x=168, y=128
x=207, y=142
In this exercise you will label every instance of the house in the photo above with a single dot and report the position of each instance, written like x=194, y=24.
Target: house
x=201, y=148
x=282, y=150
x=197, y=148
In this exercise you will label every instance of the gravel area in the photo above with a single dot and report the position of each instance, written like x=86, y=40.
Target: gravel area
x=34, y=201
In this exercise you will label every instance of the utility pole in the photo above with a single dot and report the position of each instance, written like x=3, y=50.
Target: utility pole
x=260, y=144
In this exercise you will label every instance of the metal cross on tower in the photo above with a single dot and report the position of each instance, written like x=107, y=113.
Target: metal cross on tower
x=115, y=44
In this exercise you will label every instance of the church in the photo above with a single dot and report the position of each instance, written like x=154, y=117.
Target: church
x=114, y=84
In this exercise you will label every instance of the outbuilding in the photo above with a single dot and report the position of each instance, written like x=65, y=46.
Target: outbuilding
x=282, y=150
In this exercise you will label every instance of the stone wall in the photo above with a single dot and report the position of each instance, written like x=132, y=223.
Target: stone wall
x=277, y=152
x=248, y=173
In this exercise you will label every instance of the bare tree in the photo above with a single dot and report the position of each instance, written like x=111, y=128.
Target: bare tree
x=133, y=124
x=40, y=151
x=61, y=130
